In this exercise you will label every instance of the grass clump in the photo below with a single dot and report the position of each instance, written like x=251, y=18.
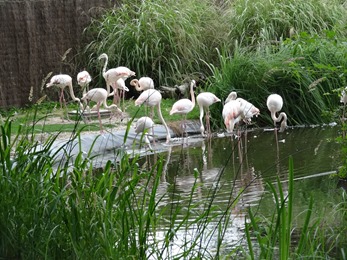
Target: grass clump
x=258, y=23
x=279, y=236
x=309, y=69
x=162, y=39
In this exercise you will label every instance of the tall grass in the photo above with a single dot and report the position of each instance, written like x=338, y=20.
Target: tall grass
x=306, y=71
x=257, y=47
x=162, y=39
x=255, y=23
x=275, y=237
x=55, y=204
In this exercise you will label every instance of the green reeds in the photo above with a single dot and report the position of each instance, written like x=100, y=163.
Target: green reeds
x=276, y=237
x=162, y=39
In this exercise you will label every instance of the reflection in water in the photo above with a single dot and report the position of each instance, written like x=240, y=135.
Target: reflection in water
x=223, y=177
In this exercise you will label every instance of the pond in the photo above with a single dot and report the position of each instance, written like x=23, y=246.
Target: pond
x=236, y=171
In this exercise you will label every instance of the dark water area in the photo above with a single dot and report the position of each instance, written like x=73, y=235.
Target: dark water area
x=236, y=171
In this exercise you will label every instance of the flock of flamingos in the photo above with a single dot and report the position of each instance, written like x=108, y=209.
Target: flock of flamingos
x=235, y=109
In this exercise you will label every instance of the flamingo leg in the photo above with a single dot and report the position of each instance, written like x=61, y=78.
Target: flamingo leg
x=208, y=126
x=99, y=116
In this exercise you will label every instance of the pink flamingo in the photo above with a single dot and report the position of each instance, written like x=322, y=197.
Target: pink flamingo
x=83, y=79
x=62, y=81
x=205, y=100
x=231, y=114
x=152, y=98
x=142, y=84
x=184, y=106
x=99, y=95
x=143, y=125
x=112, y=75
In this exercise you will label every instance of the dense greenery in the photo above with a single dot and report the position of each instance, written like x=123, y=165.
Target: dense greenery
x=55, y=204
x=294, y=48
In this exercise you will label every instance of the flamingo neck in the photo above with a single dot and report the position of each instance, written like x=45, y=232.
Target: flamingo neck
x=274, y=117
x=105, y=65
x=192, y=95
x=168, y=136
x=72, y=94
x=137, y=85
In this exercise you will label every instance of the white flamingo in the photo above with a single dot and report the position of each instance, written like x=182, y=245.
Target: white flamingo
x=248, y=110
x=274, y=104
x=231, y=114
x=112, y=75
x=83, y=79
x=142, y=84
x=144, y=125
x=99, y=95
x=121, y=87
x=205, y=100
x=184, y=105
x=62, y=81
x=231, y=96
x=152, y=98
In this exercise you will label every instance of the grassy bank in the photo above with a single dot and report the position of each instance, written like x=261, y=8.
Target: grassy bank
x=52, y=209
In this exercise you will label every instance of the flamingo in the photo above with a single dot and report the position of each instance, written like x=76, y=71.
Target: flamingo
x=231, y=96
x=185, y=105
x=142, y=84
x=83, y=79
x=143, y=125
x=274, y=104
x=99, y=95
x=205, y=100
x=112, y=75
x=231, y=114
x=152, y=98
x=237, y=109
x=120, y=86
x=62, y=81
x=248, y=110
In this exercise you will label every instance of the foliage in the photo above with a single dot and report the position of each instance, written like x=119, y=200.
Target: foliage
x=260, y=22
x=162, y=39
x=256, y=47
x=276, y=238
x=308, y=68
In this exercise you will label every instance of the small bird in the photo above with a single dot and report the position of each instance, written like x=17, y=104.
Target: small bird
x=152, y=98
x=205, y=100
x=274, y=104
x=99, y=95
x=83, y=79
x=144, y=125
x=112, y=75
x=62, y=81
x=142, y=84
x=185, y=105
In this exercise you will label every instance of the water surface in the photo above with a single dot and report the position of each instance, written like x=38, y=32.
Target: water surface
x=234, y=173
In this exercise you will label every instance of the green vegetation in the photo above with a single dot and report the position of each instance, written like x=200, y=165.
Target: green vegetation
x=56, y=209
x=296, y=49
x=52, y=207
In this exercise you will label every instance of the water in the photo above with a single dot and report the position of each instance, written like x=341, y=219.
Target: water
x=236, y=172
